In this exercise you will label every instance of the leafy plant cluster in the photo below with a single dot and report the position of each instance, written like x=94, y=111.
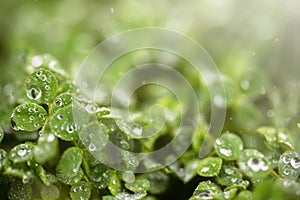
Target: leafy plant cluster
x=47, y=154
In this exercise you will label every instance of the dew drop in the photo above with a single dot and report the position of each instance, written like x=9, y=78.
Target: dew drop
x=22, y=152
x=295, y=163
x=59, y=116
x=31, y=118
x=70, y=129
x=37, y=61
x=205, y=169
x=245, y=84
x=285, y=159
x=226, y=152
x=92, y=147
x=43, y=77
x=298, y=125
x=47, y=87
x=35, y=124
x=137, y=129
x=58, y=102
x=34, y=93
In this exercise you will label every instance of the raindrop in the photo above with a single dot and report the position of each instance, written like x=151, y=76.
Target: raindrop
x=226, y=152
x=286, y=172
x=50, y=138
x=18, y=110
x=35, y=109
x=245, y=84
x=26, y=179
x=47, y=87
x=34, y=93
x=137, y=129
x=58, y=102
x=37, y=61
x=285, y=159
x=31, y=118
x=59, y=116
x=35, y=124
x=233, y=180
x=298, y=125
x=229, y=171
x=205, y=169
x=22, y=152
x=70, y=129
x=295, y=163
x=92, y=147
x=43, y=77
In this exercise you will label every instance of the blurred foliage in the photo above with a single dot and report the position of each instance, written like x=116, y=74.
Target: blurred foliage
x=254, y=44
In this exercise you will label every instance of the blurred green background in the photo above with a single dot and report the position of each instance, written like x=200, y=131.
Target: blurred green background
x=254, y=43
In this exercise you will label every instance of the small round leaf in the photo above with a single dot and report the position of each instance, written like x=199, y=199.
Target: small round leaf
x=139, y=185
x=229, y=176
x=28, y=117
x=229, y=146
x=209, y=167
x=80, y=191
x=253, y=164
x=41, y=86
x=46, y=148
x=289, y=165
x=100, y=176
x=21, y=153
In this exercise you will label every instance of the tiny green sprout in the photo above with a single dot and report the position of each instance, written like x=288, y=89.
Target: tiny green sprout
x=209, y=167
x=28, y=117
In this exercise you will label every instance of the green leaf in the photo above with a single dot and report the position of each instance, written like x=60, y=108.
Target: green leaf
x=229, y=176
x=20, y=170
x=1, y=134
x=159, y=182
x=253, y=164
x=190, y=170
x=209, y=167
x=80, y=191
x=19, y=191
x=139, y=185
x=206, y=190
x=21, y=153
x=28, y=117
x=100, y=176
x=289, y=165
x=94, y=137
x=63, y=125
x=114, y=185
x=68, y=166
x=229, y=146
x=124, y=195
x=46, y=148
x=61, y=101
x=41, y=86
x=49, y=192
x=270, y=135
x=244, y=195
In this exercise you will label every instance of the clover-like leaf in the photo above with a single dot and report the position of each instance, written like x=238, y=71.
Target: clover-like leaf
x=49, y=192
x=124, y=195
x=28, y=117
x=229, y=176
x=114, y=185
x=46, y=148
x=229, y=146
x=139, y=185
x=41, y=86
x=253, y=164
x=209, y=167
x=20, y=170
x=158, y=182
x=289, y=165
x=69, y=164
x=19, y=191
x=206, y=190
x=21, y=153
x=63, y=125
x=100, y=176
x=61, y=101
x=94, y=137
x=80, y=191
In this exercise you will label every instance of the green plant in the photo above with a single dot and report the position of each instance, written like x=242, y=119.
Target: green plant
x=48, y=154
